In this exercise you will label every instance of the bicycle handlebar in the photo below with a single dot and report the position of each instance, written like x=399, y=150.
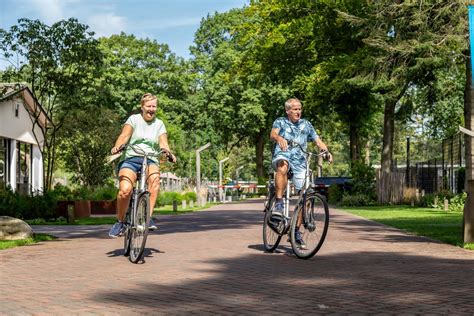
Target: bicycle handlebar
x=323, y=153
x=141, y=152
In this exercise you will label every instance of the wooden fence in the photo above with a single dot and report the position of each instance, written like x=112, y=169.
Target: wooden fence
x=390, y=187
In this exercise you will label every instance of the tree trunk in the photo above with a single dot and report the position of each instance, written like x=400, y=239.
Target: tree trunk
x=354, y=143
x=388, y=132
x=259, y=148
x=367, y=152
x=469, y=141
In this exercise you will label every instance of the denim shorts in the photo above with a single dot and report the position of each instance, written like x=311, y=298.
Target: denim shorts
x=299, y=174
x=133, y=163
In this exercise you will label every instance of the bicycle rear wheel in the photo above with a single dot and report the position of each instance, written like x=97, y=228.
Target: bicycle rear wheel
x=271, y=238
x=314, y=226
x=139, y=227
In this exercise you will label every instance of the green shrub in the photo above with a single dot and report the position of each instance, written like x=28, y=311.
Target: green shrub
x=62, y=193
x=363, y=180
x=429, y=200
x=456, y=204
x=435, y=200
x=357, y=200
x=335, y=194
x=27, y=207
x=189, y=196
x=167, y=198
x=104, y=193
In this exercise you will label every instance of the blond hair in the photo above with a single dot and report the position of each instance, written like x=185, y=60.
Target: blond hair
x=148, y=97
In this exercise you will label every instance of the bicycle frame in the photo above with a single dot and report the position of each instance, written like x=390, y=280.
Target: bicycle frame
x=306, y=185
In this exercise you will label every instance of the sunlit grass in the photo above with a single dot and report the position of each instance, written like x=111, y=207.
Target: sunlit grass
x=433, y=223
x=5, y=244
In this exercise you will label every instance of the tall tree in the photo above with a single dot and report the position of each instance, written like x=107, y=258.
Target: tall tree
x=58, y=62
x=134, y=66
x=309, y=48
x=239, y=106
x=409, y=41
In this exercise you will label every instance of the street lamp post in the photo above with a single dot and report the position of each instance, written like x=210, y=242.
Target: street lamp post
x=237, y=174
x=220, y=178
x=198, y=173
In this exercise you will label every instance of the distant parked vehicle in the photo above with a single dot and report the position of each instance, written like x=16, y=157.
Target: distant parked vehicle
x=322, y=184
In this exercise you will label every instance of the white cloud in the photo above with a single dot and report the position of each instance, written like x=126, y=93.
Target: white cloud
x=172, y=23
x=107, y=24
x=51, y=11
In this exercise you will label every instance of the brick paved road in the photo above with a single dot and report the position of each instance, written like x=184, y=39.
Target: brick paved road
x=211, y=262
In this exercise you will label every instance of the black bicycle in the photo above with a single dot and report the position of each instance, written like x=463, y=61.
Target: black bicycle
x=310, y=217
x=135, y=230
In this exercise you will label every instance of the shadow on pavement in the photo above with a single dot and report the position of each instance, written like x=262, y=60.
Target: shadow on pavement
x=364, y=282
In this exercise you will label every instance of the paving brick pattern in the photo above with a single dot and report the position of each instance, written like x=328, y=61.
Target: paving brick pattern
x=212, y=262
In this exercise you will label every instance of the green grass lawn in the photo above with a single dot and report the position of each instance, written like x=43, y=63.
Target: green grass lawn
x=436, y=224
x=5, y=244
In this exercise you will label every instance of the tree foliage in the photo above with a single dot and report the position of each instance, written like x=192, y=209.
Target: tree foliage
x=58, y=62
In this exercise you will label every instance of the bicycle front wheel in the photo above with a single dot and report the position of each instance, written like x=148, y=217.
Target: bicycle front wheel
x=126, y=235
x=271, y=238
x=139, y=227
x=311, y=220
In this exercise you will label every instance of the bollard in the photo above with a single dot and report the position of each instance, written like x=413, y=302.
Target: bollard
x=183, y=204
x=70, y=214
x=446, y=204
x=175, y=206
x=191, y=204
x=244, y=196
x=229, y=198
x=215, y=199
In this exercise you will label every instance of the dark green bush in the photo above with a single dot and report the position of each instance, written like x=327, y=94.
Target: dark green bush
x=335, y=194
x=27, y=207
x=436, y=200
x=363, y=180
x=98, y=193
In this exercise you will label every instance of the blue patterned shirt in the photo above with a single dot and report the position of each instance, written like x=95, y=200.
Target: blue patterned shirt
x=300, y=132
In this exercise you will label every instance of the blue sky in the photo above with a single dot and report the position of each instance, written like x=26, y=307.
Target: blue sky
x=172, y=22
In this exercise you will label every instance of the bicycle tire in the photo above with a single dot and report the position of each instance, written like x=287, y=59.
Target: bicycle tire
x=314, y=226
x=139, y=227
x=271, y=239
x=126, y=235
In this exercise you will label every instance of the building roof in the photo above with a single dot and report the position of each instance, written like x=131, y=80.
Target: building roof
x=11, y=90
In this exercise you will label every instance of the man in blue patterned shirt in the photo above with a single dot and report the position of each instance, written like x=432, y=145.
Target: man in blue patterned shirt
x=285, y=130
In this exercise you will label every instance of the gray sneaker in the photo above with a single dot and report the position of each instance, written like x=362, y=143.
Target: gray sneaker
x=278, y=209
x=152, y=225
x=299, y=240
x=116, y=230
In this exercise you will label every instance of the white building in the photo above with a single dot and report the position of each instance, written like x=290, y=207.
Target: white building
x=21, y=162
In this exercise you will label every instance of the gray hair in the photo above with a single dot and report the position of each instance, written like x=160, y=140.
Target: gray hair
x=289, y=103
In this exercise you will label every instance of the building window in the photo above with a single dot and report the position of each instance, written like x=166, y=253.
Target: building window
x=17, y=109
x=23, y=167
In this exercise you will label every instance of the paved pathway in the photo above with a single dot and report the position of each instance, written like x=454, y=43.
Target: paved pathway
x=212, y=262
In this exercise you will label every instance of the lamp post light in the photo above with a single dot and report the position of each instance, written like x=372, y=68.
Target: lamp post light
x=198, y=173
x=220, y=178
x=237, y=174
